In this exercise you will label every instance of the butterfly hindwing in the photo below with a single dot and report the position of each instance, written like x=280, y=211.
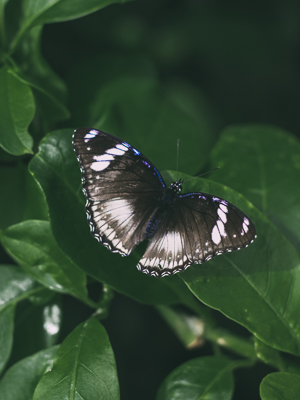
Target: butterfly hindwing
x=122, y=188
x=198, y=227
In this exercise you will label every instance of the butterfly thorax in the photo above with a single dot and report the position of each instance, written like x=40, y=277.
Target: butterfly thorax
x=171, y=193
x=169, y=196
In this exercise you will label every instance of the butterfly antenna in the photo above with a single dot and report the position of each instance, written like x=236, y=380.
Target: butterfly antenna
x=205, y=173
x=177, y=158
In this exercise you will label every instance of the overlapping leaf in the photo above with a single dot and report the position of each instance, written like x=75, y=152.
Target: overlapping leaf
x=201, y=378
x=20, y=381
x=31, y=243
x=280, y=386
x=84, y=367
x=14, y=284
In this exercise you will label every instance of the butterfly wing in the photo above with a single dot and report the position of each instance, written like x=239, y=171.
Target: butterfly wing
x=122, y=187
x=196, y=227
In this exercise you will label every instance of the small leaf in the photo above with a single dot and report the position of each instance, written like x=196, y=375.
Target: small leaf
x=17, y=111
x=280, y=386
x=84, y=367
x=206, y=378
x=20, y=381
x=31, y=243
x=14, y=283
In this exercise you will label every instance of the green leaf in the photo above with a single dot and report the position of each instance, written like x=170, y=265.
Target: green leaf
x=258, y=287
x=32, y=245
x=17, y=111
x=20, y=381
x=206, y=378
x=263, y=164
x=56, y=169
x=47, y=11
x=269, y=355
x=161, y=115
x=6, y=338
x=280, y=386
x=36, y=68
x=22, y=198
x=84, y=367
x=14, y=285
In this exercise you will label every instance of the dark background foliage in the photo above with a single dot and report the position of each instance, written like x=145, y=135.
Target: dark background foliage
x=239, y=60
x=243, y=58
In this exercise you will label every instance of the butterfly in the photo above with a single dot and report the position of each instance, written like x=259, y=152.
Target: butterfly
x=129, y=202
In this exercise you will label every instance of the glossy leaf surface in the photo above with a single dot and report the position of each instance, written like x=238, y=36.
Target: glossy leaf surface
x=20, y=381
x=206, y=378
x=31, y=243
x=280, y=386
x=17, y=111
x=84, y=367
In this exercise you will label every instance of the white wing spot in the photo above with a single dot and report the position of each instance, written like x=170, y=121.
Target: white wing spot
x=223, y=207
x=245, y=227
x=222, y=214
x=221, y=228
x=92, y=133
x=101, y=162
x=215, y=235
x=115, y=151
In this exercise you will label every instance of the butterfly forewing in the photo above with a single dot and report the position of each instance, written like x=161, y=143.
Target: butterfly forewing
x=197, y=227
x=122, y=187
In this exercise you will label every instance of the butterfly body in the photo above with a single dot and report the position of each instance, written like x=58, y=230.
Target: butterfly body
x=128, y=202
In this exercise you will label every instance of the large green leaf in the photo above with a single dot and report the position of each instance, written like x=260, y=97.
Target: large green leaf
x=17, y=111
x=206, y=378
x=31, y=243
x=84, y=367
x=14, y=285
x=20, y=381
x=259, y=286
x=263, y=164
x=56, y=169
x=144, y=113
x=280, y=386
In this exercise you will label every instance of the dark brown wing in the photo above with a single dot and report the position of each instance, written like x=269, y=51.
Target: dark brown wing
x=195, y=228
x=122, y=187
